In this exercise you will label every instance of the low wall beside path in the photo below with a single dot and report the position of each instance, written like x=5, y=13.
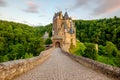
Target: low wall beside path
x=108, y=70
x=10, y=69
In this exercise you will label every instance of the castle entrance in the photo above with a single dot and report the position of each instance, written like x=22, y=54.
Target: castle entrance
x=57, y=44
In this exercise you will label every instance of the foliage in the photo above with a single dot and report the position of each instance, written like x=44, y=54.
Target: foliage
x=102, y=50
x=107, y=60
x=99, y=31
x=109, y=54
x=48, y=41
x=90, y=51
x=87, y=50
x=111, y=49
x=28, y=55
x=18, y=41
x=104, y=32
x=79, y=49
x=40, y=30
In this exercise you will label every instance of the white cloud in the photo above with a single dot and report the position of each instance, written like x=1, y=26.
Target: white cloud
x=103, y=6
x=32, y=7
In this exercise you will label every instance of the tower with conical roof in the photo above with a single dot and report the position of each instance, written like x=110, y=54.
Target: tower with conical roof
x=64, y=32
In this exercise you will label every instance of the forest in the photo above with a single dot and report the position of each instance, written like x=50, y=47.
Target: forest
x=103, y=32
x=99, y=31
x=19, y=41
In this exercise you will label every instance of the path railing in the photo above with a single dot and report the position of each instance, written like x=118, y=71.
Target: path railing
x=10, y=69
x=110, y=71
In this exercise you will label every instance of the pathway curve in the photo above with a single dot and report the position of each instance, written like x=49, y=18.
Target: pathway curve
x=61, y=67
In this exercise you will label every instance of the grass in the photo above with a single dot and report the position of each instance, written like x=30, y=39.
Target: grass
x=106, y=60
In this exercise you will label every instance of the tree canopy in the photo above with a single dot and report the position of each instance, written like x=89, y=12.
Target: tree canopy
x=19, y=41
x=99, y=31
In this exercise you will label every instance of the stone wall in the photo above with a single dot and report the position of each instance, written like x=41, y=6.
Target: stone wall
x=108, y=70
x=10, y=69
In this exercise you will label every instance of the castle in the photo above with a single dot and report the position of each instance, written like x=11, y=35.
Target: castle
x=63, y=31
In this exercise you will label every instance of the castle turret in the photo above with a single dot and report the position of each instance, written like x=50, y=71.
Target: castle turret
x=66, y=15
x=63, y=31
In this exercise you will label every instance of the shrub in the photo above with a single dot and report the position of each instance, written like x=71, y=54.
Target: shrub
x=111, y=49
x=4, y=58
x=109, y=54
x=28, y=55
x=90, y=51
x=101, y=50
x=48, y=41
x=79, y=49
x=117, y=60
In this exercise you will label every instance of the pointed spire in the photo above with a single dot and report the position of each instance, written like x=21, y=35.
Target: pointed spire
x=66, y=15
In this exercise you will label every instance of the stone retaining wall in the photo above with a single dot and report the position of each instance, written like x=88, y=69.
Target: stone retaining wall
x=10, y=69
x=108, y=70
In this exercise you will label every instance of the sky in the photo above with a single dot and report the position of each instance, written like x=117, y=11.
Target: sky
x=41, y=12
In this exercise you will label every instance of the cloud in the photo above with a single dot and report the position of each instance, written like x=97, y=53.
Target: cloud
x=32, y=7
x=107, y=6
x=103, y=6
x=79, y=3
x=2, y=3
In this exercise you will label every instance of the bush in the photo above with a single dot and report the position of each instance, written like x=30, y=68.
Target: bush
x=4, y=58
x=90, y=51
x=109, y=54
x=101, y=50
x=107, y=60
x=79, y=49
x=28, y=55
x=48, y=41
x=117, y=60
x=111, y=49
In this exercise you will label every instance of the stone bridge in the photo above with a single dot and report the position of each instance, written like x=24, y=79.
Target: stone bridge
x=58, y=66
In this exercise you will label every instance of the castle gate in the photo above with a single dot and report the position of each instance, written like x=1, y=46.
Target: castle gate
x=57, y=44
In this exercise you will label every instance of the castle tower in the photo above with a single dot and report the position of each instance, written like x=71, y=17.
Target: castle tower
x=64, y=32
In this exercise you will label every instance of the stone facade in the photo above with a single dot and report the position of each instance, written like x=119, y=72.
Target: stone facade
x=64, y=32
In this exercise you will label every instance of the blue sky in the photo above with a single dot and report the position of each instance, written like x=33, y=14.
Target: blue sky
x=41, y=12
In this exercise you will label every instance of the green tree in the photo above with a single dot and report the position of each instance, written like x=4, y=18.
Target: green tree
x=90, y=51
x=111, y=49
x=48, y=41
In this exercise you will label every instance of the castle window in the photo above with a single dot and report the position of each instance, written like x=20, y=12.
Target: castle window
x=71, y=31
x=65, y=26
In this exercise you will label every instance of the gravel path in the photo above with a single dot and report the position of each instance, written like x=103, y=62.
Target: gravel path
x=61, y=67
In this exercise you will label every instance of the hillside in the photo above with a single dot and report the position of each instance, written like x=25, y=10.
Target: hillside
x=18, y=41
x=99, y=31
x=105, y=33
